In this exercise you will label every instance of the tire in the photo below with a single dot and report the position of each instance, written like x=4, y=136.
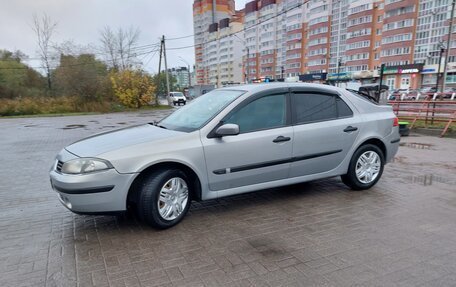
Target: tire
x=374, y=168
x=151, y=207
x=185, y=103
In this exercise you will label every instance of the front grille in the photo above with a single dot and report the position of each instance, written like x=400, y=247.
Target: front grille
x=59, y=165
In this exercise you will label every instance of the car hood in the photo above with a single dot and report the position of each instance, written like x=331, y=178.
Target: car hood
x=113, y=140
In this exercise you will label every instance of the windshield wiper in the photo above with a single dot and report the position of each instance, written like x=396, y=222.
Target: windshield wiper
x=155, y=123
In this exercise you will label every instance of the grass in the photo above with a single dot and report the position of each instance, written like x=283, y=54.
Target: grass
x=61, y=106
x=435, y=125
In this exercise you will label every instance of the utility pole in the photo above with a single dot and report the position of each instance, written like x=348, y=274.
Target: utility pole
x=166, y=64
x=448, y=46
x=159, y=72
x=438, y=70
x=382, y=67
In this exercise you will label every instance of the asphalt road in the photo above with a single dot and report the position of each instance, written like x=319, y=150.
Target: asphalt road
x=402, y=232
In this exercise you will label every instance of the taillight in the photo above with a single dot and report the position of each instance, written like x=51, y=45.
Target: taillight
x=396, y=122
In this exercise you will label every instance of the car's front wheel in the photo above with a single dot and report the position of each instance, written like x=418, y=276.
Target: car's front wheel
x=366, y=167
x=164, y=198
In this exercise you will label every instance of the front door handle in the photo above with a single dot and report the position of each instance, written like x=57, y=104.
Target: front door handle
x=350, y=129
x=280, y=139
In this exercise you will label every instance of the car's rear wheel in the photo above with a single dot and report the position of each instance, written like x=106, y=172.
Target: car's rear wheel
x=366, y=167
x=164, y=198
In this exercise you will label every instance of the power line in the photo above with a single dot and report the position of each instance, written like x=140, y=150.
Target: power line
x=178, y=38
x=243, y=29
x=133, y=49
x=72, y=65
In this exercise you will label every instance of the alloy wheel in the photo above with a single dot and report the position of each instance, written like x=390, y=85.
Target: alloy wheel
x=173, y=198
x=368, y=167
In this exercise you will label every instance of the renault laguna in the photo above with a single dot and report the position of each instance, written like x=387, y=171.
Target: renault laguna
x=229, y=141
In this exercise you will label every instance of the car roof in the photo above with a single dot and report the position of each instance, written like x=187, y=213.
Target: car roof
x=253, y=88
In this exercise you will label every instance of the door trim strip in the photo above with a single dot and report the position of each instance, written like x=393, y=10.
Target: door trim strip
x=272, y=163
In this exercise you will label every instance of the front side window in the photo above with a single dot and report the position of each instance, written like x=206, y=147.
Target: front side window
x=264, y=113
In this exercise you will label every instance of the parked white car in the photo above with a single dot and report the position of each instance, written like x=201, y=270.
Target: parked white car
x=176, y=98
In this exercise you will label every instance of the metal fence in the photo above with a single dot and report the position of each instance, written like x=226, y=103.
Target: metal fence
x=428, y=111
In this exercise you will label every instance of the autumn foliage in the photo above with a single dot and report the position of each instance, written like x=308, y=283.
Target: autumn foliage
x=133, y=88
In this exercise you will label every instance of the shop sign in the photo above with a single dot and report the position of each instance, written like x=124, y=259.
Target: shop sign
x=403, y=69
x=363, y=75
x=451, y=67
x=340, y=76
x=313, y=77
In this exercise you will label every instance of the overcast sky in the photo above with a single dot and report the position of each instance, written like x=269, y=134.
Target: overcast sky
x=81, y=21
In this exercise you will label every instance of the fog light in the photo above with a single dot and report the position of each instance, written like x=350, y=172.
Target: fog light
x=65, y=201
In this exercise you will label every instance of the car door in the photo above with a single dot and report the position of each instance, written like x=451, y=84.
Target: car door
x=261, y=152
x=325, y=129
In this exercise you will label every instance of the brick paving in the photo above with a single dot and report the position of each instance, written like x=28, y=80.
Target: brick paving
x=402, y=232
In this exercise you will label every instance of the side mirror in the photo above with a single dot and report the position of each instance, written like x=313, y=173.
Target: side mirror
x=227, y=130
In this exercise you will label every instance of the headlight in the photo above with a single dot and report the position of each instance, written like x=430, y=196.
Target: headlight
x=85, y=165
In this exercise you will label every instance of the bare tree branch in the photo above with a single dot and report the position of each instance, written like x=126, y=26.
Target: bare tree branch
x=44, y=27
x=119, y=47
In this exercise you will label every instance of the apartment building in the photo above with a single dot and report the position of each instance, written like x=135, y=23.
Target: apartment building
x=340, y=41
x=182, y=76
x=206, y=13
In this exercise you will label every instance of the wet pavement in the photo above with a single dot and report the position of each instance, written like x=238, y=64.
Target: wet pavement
x=402, y=232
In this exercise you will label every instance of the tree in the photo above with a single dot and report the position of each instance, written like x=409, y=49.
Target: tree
x=133, y=88
x=44, y=27
x=82, y=76
x=70, y=48
x=119, y=47
x=16, y=78
x=160, y=82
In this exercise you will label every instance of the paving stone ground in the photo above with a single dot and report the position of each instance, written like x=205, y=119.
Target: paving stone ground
x=402, y=232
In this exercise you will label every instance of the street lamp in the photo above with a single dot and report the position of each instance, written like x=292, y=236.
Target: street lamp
x=246, y=66
x=339, y=63
x=188, y=71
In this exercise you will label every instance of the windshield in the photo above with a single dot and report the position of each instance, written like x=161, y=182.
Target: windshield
x=177, y=94
x=197, y=113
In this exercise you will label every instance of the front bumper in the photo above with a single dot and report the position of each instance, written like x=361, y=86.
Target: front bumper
x=98, y=192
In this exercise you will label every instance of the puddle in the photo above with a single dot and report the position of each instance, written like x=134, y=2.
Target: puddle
x=429, y=179
x=105, y=127
x=70, y=127
x=122, y=123
x=95, y=122
x=417, y=145
x=30, y=126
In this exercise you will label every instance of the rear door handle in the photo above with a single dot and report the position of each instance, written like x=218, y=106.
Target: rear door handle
x=350, y=129
x=280, y=139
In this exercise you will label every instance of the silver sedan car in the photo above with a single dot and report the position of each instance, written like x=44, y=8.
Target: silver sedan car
x=230, y=141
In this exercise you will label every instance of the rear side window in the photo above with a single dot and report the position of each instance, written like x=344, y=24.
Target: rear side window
x=314, y=107
x=343, y=110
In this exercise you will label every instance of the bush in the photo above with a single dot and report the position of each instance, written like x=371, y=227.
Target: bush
x=133, y=88
x=48, y=105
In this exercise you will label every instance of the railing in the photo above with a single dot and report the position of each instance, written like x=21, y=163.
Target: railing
x=417, y=96
x=433, y=111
